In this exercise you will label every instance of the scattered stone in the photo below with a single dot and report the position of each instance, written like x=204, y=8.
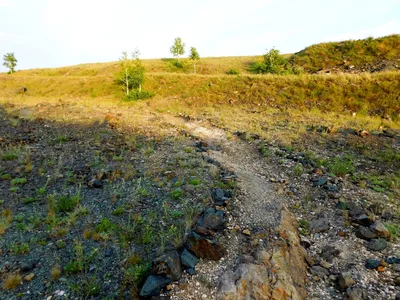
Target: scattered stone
x=319, y=225
x=218, y=196
x=305, y=243
x=345, y=280
x=212, y=219
x=397, y=281
x=365, y=233
x=108, y=252
x=372, y=264
x=95, y=183
x=188, y=259
x=354, y=294
x=325, y=264
x=246, y=232
x=363, y=219
x=396, y=267
x=21, y=90
x=354, y=209
x=153, y=285
x=26, y=266
x=320, y=181
x=319, y=271
x=381, y=269
x=204, y=247
x=168, y=265
x=29, y=277
x=191, y=271
x=392, y=260
x=247, y=259
x=329, y=253
x=377, y=244
x=380, y=229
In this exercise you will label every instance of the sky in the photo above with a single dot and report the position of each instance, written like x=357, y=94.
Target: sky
x=54, y=33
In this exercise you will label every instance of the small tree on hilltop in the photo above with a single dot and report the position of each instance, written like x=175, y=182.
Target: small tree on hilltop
x=178, y=48
x=10, y=62
x=194, y=56
x=132, y=72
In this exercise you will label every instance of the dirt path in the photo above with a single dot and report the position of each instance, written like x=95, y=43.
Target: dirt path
x=263, y=260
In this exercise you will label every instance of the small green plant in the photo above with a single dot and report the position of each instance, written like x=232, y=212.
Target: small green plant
x=77, y=264
x=194, y=181
x=88, y=288
x=119, y=211
x=298, y=169
x=138, y=272
x=176, y=193
x=5, y=177
x=264, y=150
x=19, y=248
x=105, y=226
x=233, y=72
x=18, y=181
x=67, y=203
x=29, y=200
x=393, y=228
x=341, y=166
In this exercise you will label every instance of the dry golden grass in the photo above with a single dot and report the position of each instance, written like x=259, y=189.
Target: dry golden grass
x=11, y=281
x=56, y=272
x=5, y=220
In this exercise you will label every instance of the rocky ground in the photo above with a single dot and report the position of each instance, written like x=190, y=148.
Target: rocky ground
x=100, y=211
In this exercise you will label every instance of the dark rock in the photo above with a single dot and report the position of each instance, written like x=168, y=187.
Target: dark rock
x=392, y=260
x=218, y=196
x=380, y=229
x=228, y=193
x=341, y=205
x=191, y=271
x=354, y=209
x=354, y=294
x=202, y=230
x=188, y=259
x=345, y=280
x=21, y=90
x=331, y=188
x=202, y=146
x=372, y=264
x=397, y=281
x=153, y=285
x=305, y=243
x=396, y=267
x=108, y=252
x=168, y=265
x=329, y=253
x=247, y=259
x=27, y=266
x=319, y=225
x=205, y=248
x=363, y=219
x=95, y=183
x=397, y=297
x=377, y=244
x=319, y=271
x=365, y=233
x=212, y=219
x=321, y=181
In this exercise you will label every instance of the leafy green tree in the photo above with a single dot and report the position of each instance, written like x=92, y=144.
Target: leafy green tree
x=132, y=72
x=194, y=56
x=10, y=62
x=178, y=48
x=274, y=63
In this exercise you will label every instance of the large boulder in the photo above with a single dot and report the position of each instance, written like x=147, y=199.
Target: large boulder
x=153, y=285
x=168, y=265
x=205, y=248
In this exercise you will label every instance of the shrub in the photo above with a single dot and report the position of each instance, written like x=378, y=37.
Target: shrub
x=12, y=281
x=233, y=72
x=138, y=95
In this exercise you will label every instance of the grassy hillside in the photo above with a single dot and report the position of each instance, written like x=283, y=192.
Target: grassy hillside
x=206, y=66
x=368, y=94
x=361, y=54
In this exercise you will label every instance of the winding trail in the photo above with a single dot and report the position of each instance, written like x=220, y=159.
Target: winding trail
x=267, y=262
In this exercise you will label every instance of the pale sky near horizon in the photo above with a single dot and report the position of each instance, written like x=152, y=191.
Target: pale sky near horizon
x=53, y=33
